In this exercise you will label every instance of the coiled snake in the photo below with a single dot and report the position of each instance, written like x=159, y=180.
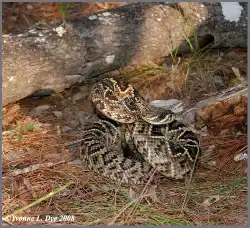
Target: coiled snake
x=132, y=138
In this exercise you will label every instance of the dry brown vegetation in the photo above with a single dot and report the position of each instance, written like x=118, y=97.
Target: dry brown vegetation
x=216, y=195
x=18, y=16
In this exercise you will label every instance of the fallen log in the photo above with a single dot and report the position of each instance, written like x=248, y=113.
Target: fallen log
x=229, y=98
x=56, y=56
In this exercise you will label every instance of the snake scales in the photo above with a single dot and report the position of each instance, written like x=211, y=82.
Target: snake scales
x=132, y=138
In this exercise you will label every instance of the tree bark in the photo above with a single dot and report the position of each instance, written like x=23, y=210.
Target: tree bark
x=230, y=96
x=57, y=56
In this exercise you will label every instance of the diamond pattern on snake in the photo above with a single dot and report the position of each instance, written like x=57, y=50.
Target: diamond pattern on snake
x=132, y=139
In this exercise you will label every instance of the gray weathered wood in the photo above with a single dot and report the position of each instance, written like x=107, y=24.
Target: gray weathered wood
x=60, y=55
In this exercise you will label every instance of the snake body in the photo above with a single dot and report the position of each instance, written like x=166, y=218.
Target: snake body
x=133, y=139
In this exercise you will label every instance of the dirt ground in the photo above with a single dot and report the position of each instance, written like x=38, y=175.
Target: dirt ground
x=44, y=179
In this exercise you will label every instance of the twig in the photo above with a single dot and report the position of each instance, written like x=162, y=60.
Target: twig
x=190, y=180
x=32, y=168
x=124, y=208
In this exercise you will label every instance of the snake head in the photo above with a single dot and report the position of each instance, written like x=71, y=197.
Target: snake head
x=126, y=98
x=121, y=96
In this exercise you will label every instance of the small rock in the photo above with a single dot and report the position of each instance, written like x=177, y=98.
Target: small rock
x=58, y=114
x=37, y=111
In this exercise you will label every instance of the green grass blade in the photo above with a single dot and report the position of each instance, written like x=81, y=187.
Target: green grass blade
x=49, y=195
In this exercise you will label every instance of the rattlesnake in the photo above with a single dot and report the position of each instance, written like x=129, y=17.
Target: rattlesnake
x=133, y=139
